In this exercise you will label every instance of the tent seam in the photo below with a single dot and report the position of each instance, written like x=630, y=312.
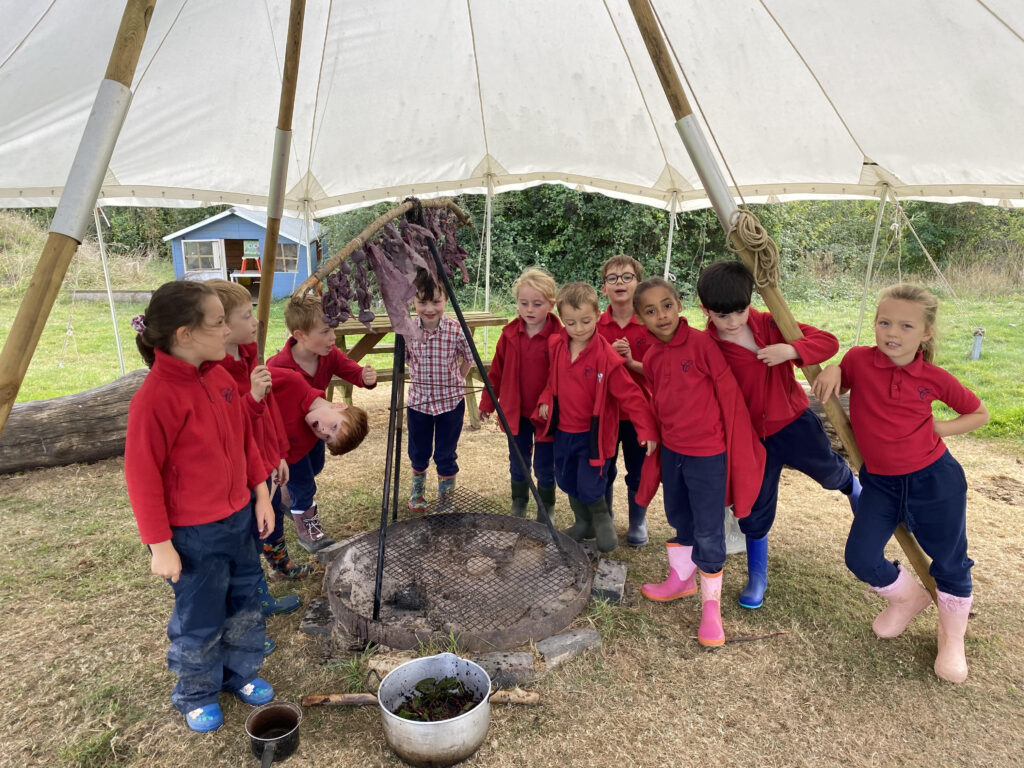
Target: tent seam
x=1001, y=20
x=479, y=86
x=29, y=33
x=159, y=46
x=314, y=134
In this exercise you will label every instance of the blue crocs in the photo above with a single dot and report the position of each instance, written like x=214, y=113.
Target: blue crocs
x=272, y=606
x=205, y=719
x=269, y=646
x=256, y=693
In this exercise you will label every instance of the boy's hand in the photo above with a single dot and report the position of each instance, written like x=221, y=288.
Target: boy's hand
x=483, y=415
x=259, y=381
x=165, y=562
x=827, y=383
x=369, y=375
x=652, y=446
x=281, y=473
x=774, y=354
x=622, y=347
x=543, y=411
x=264, y=516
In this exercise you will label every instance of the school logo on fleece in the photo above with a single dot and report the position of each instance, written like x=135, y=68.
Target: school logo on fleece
x=686, y=365
x=227, y=393
x=588, y=371
x=924, y=393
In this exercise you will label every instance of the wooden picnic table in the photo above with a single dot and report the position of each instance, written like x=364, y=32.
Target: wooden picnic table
x=355, y=341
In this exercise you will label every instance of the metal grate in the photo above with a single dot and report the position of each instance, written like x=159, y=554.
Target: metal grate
x=490, y=579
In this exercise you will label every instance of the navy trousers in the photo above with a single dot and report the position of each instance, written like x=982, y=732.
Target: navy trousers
x=438, y=434
x=694, y=491
x=543, y=456
x=573, y=470
x=302, y=477
x=633, y=455
x=804, y=446
x=216, y=628
x=932, y=503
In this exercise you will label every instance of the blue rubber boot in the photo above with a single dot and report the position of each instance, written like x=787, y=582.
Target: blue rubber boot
x=272, y=606
x=636, y=535
x=752, y=596
x=854, y=495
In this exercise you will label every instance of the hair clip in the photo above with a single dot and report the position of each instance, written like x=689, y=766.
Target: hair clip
x=139, y=323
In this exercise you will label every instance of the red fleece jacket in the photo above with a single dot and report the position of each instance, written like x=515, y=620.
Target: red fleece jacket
x=189, y=453
x=295, y=396
x=336, y=363
x=518, y=359
x=674, y=371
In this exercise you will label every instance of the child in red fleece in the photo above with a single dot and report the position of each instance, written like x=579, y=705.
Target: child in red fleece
x=265, y=415
x=519, y=371
x=588, y=387
x=792, y=435
x=710, y=456
x=311, y=351
x=190, y=462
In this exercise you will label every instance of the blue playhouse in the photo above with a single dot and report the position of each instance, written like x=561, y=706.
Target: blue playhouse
x=230, y=246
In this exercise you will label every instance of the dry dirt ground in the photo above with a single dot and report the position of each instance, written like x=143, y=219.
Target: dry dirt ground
x=84, y=680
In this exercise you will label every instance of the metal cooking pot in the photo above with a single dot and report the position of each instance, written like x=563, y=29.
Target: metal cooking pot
x=444, y=742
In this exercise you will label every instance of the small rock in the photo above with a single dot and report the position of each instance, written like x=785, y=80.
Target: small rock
x=327, y=554
x=609, y=581
x=318, y=619
x=560, y=648
x=508, y=668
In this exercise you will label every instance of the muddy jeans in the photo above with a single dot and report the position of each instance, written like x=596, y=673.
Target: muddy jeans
x=216, y=629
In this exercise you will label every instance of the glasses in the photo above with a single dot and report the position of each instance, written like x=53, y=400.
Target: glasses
x=624, y=278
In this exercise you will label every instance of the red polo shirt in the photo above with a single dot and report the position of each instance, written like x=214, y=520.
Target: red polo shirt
x=519, y=370
x=891, y=409
x=772, y=393
x=335, y=363
x=294, y=396
x=189, y=453
x=634, y=332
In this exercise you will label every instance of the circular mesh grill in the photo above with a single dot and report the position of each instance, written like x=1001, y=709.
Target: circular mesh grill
x=492, y=580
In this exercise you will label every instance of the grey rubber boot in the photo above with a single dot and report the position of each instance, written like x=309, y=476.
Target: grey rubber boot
x=583, y=528
x=547, y=495
x=636, y=536
x=520, y=498
x=607, y=539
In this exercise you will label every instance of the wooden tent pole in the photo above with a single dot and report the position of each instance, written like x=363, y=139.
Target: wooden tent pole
x=77, y=202
x=724, y=205
x=279, y=168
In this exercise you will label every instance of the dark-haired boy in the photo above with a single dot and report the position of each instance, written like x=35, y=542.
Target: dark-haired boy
x=763, y=364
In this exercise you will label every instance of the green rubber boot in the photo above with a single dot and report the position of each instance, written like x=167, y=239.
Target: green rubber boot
x=520, y=498
x=607, y=539
x=582, y=528
x=547, y=495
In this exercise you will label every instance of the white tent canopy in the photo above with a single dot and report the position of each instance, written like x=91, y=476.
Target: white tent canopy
x=805, y=98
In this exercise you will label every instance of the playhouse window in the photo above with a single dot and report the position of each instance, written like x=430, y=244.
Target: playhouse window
x=201, y=255
x=287, y=257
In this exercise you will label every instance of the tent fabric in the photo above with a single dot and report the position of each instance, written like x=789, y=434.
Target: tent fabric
x=806, y=98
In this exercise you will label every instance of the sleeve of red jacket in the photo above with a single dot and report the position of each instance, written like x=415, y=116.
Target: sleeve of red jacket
x=147, y=440
x=650, y=478
x=815, y=347
x=497, y=363
x=744, y=452
x=547, y=397
x=256, y=471
x=346, y=368
x=632, y=402
x=277, y=422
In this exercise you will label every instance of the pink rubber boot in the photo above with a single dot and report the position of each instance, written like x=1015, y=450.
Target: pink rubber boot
x=682, y=576
x=906, y=599
x=951, y=661
x=711, y=632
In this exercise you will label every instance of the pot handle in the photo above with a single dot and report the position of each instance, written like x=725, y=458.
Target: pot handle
x=366, y=681
x=268, y=754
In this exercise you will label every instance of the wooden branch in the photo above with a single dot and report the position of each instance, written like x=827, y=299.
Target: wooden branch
x=363, y=238
x=86, y=426
x=510, y=696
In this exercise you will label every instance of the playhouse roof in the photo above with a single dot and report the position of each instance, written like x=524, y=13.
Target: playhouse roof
x=291, y=228
x=804, y=98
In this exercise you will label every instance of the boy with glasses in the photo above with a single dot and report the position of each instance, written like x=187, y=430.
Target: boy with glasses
x=628, y=336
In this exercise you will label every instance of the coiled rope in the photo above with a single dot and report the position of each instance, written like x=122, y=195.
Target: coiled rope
x=748, y=230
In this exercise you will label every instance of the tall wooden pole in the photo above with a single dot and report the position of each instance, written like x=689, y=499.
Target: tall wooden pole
x=721, y=199
x=279, y=168
x=77, y=202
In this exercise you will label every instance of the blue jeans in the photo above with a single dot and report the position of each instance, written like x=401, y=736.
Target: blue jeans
x=573, y=470
x=216, y=628
x=932, y=503
x=694, y=491
x=633, y=455
x=438, y=434
x=804, y=446
x=302, y=477
x=543, y=456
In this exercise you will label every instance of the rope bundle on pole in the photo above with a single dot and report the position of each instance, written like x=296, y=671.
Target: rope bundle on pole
x=747, y=228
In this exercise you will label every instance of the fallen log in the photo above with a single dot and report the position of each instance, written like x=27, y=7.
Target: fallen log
x=86, y=426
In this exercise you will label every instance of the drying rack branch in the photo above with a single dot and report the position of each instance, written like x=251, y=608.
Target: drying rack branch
x=375, y=226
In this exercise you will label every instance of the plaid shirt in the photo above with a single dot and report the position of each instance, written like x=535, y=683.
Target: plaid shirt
x=437, y=386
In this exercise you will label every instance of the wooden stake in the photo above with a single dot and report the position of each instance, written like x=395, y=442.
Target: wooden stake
x=671, y=84
x=279, y=174
x=59, y=249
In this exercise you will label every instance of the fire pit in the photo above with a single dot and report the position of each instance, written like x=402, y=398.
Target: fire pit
x=490, y=580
